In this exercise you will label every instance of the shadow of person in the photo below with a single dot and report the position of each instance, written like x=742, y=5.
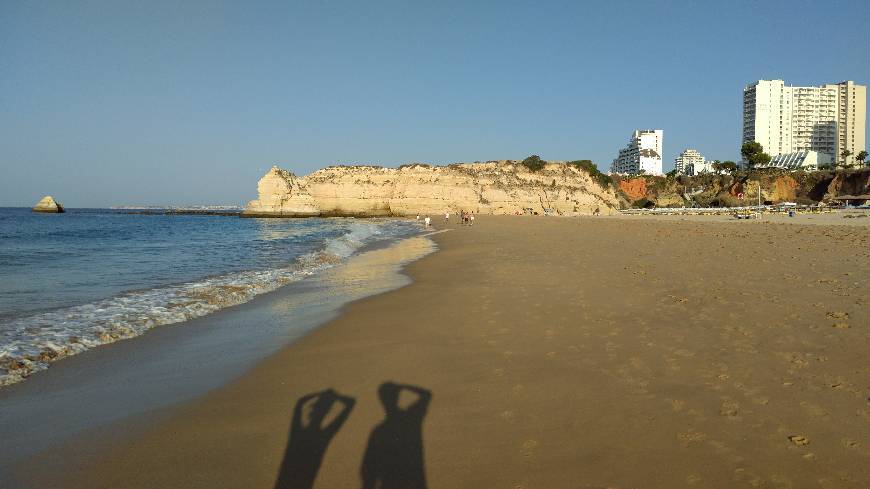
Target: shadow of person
x=394, y=456
x=309, y=440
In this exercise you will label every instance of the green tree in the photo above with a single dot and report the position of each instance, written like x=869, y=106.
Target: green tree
x=860, y=157
x=845, y=155
x=534, y=163
x=729, y=166
x=753, y=153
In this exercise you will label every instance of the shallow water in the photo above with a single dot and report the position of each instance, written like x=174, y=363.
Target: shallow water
x=172, y=364
x=71, y=282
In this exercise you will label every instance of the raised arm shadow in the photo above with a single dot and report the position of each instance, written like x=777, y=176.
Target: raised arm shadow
x=309, y=440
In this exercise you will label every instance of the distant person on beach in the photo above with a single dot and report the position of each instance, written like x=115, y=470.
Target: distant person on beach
x=428, y=220
x=418, y=217
x=471, y=219
x=447, y=217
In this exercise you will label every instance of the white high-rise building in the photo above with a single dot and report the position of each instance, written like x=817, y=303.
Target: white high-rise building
x=851, y=119
x=643, y=152
x=826, y=119
x=691, y=162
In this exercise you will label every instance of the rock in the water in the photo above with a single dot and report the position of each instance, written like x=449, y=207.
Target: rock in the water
x=48, y=204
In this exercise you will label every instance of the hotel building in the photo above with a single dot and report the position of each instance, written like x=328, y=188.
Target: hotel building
x=784, y=119
x=691, y=162
x=643, y=152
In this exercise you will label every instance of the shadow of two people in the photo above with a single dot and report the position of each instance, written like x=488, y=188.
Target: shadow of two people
x=393, y=457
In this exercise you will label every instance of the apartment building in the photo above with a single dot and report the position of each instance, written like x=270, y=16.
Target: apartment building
x=786, y=119
x=851, y=119
x=642, y=153
x=691, y=162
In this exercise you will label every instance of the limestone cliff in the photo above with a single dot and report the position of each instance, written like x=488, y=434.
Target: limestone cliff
x=495, y=187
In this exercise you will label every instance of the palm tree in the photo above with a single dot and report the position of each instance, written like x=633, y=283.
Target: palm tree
x=861, y=156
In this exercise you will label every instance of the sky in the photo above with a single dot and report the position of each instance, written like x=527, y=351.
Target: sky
x=120, y=103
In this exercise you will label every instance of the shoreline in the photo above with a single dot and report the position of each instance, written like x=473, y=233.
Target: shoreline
x=49, y=330
x=131, y=381
x=557, y=354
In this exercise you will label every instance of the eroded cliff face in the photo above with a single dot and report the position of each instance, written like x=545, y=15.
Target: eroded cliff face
x=724, y=190
x=499, y=187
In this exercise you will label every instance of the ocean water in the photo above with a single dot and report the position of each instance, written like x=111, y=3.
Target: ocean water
x=70, y=282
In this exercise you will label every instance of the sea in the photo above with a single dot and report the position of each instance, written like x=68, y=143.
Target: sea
x=75, y=281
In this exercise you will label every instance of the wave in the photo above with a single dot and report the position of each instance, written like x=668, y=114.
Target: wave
x=30, y=344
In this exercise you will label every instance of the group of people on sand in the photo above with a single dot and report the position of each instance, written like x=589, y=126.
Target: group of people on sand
x=466, y=218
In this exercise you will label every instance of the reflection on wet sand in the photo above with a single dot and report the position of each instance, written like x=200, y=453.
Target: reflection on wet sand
x=369, y=273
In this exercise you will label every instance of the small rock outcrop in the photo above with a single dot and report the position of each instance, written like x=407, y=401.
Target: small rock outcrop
x=495, y=187
x=48, y=205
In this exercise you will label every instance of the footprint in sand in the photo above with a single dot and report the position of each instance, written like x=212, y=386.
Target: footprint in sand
x=729, y=409
x=851, y=444
x=799, y=440
x=744, y=475
x=691, y=436
x=719, y=446
x=813, y=409
x=529, y=448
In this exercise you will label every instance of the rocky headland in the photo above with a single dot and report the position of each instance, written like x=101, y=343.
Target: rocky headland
x=723, y=190
x=494, y=187
x=48, y=205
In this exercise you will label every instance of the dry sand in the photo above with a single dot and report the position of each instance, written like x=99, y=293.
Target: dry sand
x=559, y=353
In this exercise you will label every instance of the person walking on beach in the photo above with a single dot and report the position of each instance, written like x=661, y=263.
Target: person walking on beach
x=418, y=217
x=427, y=220
x=447, y=217
x=471, y=219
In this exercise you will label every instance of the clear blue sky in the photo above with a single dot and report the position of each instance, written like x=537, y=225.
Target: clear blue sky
x=114, y=102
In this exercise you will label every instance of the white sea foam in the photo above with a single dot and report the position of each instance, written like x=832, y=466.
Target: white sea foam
x=29, y=344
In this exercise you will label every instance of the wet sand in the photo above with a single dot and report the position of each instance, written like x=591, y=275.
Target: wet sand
x=549, y=353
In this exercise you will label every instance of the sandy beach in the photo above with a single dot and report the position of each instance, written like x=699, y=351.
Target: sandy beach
x=537, y=352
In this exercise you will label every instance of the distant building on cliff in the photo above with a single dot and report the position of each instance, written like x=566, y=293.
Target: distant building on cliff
x=642, y=153
x=828, y=119
x=691, y=162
